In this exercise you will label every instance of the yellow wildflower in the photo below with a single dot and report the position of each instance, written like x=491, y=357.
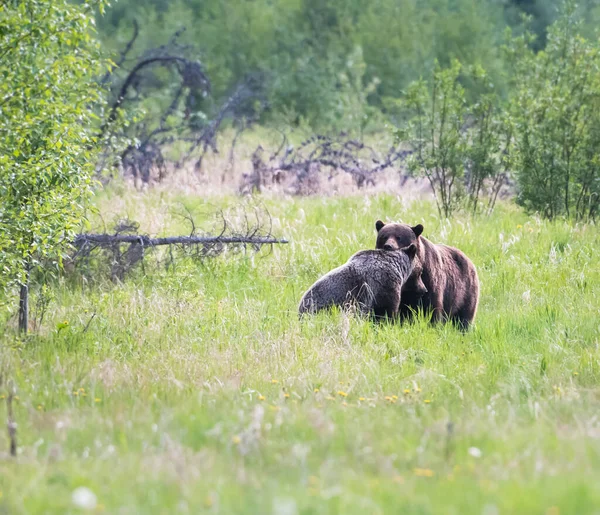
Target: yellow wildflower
x=343, y=394
x=286, y=395
x=261, y=397
x=39, y=407
x=406, y=391
x=316, y=390
x=274, y=381
x=427, y=401
x=424, y=472
x=97, y=399
x=236, y=440
x=361, y=398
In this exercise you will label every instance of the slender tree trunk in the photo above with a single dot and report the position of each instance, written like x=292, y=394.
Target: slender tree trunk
x=24, y=304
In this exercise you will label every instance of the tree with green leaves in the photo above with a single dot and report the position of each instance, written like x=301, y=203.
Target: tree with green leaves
x=49, y=102
x=556, y=111
x=437, y=113
x=461, y=147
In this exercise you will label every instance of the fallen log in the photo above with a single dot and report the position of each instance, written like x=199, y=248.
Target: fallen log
x=147, y=241
x=126, y=247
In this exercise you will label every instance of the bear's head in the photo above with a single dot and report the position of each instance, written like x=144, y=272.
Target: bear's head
x=397, y=236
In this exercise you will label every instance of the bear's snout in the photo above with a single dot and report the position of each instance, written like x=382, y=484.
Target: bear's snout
x=390, y=244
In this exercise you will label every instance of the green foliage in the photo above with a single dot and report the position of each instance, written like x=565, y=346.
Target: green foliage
x=352, y=112
x=460, y=147
x=436, y=134
x=48, y=61
x=548, y=132
x=304, y=45
x=556, y=113
x=489, y=142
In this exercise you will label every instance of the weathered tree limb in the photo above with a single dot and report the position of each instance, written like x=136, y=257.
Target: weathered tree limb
x=163, y=60
x=188, y=121
x=303, y=164
x=125, y=248
x=124, y=52
x=146, y=241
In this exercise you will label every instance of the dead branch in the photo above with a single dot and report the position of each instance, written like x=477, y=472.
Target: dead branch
x=146, y=241
x=187, y=121
x=124, y=52
x=163, y=61
x=303, y=166
x=125, y=247
x=206, y=139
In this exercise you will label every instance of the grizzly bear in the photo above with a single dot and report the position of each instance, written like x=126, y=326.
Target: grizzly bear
x=451, y=285
x=371, y=280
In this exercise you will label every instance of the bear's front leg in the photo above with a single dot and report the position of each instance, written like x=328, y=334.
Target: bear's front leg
x=388, y=306
x=437, y=310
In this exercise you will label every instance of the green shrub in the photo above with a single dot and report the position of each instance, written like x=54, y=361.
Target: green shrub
x=556, y=110
x=48, y=63
x=457, y=146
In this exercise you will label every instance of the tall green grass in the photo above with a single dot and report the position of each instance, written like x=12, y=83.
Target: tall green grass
x=196, y=388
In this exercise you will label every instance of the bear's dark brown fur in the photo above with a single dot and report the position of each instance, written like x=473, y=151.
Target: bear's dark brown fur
x=449, y=278
x=371, y=280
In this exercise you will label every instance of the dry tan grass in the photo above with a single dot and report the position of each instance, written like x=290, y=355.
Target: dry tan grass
x=221, y=174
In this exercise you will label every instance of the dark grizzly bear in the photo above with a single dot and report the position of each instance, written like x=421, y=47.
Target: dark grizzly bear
x=371, y=279
x=449, y=277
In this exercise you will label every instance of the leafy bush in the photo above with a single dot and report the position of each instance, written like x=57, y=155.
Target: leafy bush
x=556, y=112
x=436, y=134
x=48, y=64
x=488, y=157
x=456, y=145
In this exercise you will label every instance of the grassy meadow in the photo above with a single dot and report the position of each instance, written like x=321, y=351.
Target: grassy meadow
x=196, y=389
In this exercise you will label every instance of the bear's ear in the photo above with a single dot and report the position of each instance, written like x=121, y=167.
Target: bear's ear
x=411, y=250
x=417, y=229
x=379, y=225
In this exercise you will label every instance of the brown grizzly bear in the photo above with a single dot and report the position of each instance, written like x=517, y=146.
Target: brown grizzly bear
x=371, y=279
x=449, y=277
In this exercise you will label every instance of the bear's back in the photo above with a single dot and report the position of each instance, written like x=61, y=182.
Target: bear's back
x=380, y=266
